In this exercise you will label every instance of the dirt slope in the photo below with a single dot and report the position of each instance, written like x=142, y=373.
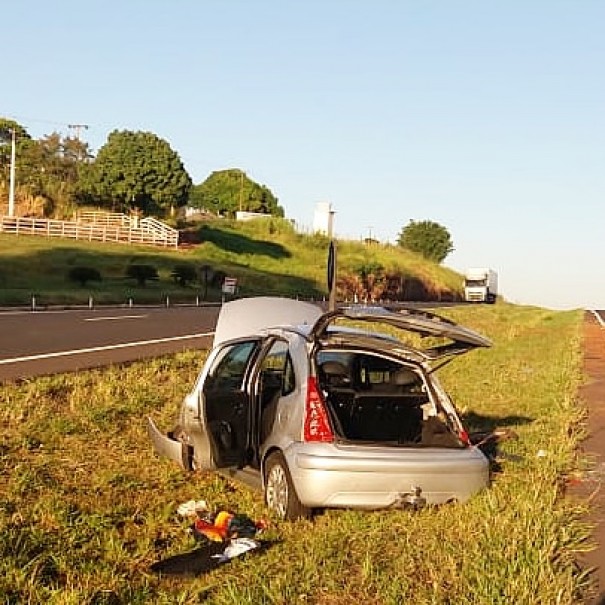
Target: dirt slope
x=593, y=393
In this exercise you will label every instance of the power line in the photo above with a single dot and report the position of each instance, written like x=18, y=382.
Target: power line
x=77, y=128
x=27, y=119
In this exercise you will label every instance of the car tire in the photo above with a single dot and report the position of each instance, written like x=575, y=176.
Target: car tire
x=280, y=494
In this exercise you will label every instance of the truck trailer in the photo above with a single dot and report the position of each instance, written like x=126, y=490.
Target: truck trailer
x=480, y=285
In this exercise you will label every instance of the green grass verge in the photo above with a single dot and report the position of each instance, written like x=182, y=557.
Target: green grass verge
x=86, y=508
x=266, y=256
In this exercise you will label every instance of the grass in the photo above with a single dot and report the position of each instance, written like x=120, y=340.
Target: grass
x=265, y=256
x=86, y=508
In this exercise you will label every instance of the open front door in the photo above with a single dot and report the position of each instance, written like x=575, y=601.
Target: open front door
x=226, y=403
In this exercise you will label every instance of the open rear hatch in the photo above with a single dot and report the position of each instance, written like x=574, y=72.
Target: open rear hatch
x=452, y=339
x=378, y=387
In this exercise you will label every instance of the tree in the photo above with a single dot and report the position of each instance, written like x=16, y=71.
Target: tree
x=227, y=191
x=50, y=168
x=46, y=169
x=136, y=170
x=22, y=139
x=82, y=275
x=142, y=273
x=371, y=275
x=430, y=239
x=183, y=274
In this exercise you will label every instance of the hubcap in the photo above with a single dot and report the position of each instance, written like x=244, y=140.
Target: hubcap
x=277, y=490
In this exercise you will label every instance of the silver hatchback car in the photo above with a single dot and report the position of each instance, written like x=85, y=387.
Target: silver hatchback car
x=318, y=414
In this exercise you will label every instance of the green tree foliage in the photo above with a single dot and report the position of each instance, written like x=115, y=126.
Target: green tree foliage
x=82, y=275
x=183, y=274
x=47, y=169
x=227, y=191
x=50, y=168
x=142, y=273
x=370, y=281
x=22, y=140
x=6, y=133
x=430, y=239
x=136, y=170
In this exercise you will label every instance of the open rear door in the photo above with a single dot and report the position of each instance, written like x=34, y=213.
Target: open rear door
x=226, y=405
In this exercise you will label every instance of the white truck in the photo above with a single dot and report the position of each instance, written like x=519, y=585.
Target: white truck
x=480, y=285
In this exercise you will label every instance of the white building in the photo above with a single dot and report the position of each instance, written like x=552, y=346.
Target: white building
x=324, y=218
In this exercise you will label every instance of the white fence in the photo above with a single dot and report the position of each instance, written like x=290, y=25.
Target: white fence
x=149, y=231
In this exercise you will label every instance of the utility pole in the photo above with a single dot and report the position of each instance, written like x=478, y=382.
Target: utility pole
x=77, y=128
x=11, y=191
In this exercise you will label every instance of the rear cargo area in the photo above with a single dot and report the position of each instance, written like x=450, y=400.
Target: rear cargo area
x=375, y=400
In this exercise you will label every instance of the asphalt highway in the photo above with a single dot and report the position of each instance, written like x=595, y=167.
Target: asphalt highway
x=46, y=342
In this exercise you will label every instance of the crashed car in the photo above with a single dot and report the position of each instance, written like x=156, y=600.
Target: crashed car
x=318, y=414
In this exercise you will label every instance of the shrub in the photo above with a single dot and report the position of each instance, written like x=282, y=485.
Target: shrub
x=83, y=275
x=142, y=273
x=183, y=274
x=218, y=278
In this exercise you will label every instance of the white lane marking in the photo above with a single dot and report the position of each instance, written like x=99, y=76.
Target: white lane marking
x=599, y=318
x=123, y=345
x=116, y=318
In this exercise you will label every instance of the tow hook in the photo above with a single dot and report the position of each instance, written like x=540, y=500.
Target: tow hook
x=413, y=500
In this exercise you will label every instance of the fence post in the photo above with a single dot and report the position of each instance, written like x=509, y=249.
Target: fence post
x=130, y=302
x=197, y=301
x=90, y=302
x=167, y=302
x=33, y=303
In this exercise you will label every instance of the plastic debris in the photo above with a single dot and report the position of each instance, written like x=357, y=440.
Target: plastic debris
x=237, y=547
x=224, y=536
x=192, y=508
x=224, y=526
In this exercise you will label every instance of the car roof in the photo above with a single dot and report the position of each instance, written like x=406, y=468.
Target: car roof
x=250, y=316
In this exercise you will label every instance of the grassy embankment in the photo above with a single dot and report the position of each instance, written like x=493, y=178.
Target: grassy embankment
x=266, y=256
x=86, y=508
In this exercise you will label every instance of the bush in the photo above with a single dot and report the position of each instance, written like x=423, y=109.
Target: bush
x=142, y=273
x=83, y=275
x=183, y=274
x=218, y=277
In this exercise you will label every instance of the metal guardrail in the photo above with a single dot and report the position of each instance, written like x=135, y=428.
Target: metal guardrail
x=152, y=232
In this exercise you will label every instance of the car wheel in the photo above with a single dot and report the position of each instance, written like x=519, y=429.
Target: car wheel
x=280, y=495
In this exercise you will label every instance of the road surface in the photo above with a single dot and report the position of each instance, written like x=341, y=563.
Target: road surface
x=45, y=342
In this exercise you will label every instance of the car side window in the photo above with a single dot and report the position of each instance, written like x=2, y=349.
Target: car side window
x=277, y=371
x=229, y=369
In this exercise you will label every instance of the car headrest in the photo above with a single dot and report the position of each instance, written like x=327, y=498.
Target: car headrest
x=403, y=377
x=334, y=371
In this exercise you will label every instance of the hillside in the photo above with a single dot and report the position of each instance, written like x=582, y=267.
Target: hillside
x=266, y=257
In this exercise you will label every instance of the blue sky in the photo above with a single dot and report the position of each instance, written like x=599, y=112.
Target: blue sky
x=486, y=117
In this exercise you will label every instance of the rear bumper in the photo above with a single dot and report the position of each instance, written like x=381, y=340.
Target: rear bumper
x=383, y=479
x=168, y=447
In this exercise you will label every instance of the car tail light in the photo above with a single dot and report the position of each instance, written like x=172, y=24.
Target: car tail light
x=317, y=424
x=463, y=436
